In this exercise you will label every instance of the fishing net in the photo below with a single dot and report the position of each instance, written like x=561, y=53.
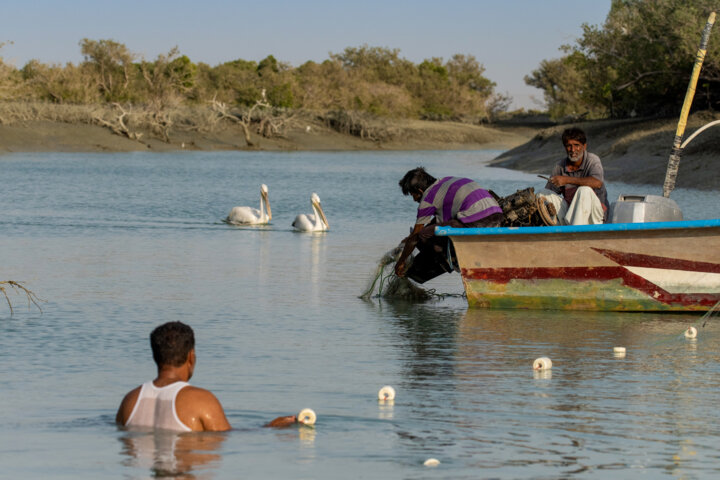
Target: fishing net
x=401, y=287
x=713, y=312
x=390, y=285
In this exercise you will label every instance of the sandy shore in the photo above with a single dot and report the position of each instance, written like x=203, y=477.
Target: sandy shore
x=46, y=136
x=633, y=151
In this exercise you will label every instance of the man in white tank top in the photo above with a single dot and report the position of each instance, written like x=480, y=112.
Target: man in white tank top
x=169, y=402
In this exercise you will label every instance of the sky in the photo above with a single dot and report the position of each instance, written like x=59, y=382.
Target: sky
x=508, y=37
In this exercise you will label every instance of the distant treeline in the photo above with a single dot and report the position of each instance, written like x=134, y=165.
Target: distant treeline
x=637, y=63
x=365, y=79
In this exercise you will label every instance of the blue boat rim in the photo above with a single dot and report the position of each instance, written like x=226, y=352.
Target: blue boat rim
x=605, y=227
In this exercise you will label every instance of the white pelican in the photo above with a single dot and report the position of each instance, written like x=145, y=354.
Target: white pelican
x=252, y=216
x=314, y=222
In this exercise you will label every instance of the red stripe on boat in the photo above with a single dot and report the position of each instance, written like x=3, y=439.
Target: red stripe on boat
x=651, y=261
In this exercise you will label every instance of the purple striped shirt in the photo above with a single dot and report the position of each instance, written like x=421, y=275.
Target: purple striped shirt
x=455, y=197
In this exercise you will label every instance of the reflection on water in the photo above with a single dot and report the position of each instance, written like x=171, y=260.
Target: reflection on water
x=385, y=409
x=472, y=375
x=542, y=374
x=173, y=455
x=429, y=339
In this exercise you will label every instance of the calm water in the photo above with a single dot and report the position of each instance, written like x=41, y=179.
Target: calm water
x=119, y=243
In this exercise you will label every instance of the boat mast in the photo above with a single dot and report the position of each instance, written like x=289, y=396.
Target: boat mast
x=674, y=160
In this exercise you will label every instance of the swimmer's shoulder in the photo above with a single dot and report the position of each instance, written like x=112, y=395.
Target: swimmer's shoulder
x=127, y=405
x=200, y=409
x=195, y=396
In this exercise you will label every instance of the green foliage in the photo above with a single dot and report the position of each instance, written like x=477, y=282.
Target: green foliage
x=281, y=95
x=241, y=65
x=468, y=72
x=362, y=80
x=564, y=87
x=111, y=64
x=166, y=81
x=231, y=82
x=268, y=66
x=454, y=89
x=431, y=68
x=247, y=94
x=183, y=71
x=9, y=78
x=58, y=84
x=376, y=64
x=638, y=62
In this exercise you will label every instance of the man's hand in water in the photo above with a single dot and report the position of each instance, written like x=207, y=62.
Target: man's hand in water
x=400, y=268
x=408, y=246
x=283, y=422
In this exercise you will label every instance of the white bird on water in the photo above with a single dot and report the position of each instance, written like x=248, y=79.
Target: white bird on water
x=252, y=216
x=314, y=222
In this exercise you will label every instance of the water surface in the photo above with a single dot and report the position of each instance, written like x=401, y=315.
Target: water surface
x=119, y=243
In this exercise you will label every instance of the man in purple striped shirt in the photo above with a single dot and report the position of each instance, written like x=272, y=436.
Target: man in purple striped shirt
x=451, y=201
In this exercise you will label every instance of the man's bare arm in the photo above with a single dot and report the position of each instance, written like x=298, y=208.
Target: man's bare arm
x=282, y=422
x=126, y=406
x=410, y=243
x=560, y=180
x=200, y=410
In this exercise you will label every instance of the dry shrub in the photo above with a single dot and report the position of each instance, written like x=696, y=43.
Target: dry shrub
x=18, y=287
x=12, y=113
x=134, y=121
x=380, y=98
x=360, y=124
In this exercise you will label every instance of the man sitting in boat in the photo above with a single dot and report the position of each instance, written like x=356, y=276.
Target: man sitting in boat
x=451, y=201
x=576, y=187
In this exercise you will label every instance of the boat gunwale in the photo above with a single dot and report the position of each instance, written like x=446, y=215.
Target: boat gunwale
x=604, y=227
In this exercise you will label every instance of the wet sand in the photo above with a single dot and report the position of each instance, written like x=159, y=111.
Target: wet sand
x=632, y=151
x=43, y=136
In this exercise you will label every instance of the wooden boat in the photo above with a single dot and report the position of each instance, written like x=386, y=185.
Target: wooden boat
x=656, y=266
x=643, y=266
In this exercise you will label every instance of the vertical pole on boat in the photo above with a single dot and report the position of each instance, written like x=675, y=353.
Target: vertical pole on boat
x=674, y=160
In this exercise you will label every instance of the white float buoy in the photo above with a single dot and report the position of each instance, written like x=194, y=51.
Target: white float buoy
x=691, y=332
x=542, y=363
x=431, y=462
x=307, y=416
x=619, y=350
x=386, y=393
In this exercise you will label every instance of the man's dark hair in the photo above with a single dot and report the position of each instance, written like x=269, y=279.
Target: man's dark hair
x=171, y=343
x=416, y=181
x=574, y=133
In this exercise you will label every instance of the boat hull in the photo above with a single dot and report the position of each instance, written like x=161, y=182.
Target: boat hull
x=659, y=266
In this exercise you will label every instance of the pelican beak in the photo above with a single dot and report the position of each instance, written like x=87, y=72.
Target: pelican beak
x=267, y=204
x=322, y=214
